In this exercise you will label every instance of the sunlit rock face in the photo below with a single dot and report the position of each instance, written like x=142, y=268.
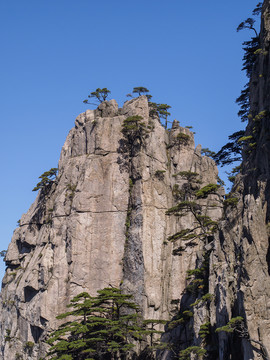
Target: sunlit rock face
x=103, y=222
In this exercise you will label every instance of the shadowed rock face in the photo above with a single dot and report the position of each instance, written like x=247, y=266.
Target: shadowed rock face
x=75, y=236
x=240, y=261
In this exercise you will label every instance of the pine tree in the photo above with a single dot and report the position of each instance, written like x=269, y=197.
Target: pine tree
x=47, y=178
x=163, y=112
x=189, y=196
x=140, y=90
x=160, y=110
x=232, y=151
x=103, y=327
x=100, y=94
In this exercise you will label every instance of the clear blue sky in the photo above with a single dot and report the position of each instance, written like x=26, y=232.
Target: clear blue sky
x=54, y=53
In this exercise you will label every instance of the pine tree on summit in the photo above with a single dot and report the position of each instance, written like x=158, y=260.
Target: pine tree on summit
x=100, y=95
x=140, y=90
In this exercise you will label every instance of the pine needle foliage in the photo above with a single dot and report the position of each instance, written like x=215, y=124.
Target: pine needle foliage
x=3, y=253
x=232, y=151
x=204, y=226
x=47, y=178
x=232, y=325
x=207, y=190
x=189, y=175
x=134, y=129
x=163, y=112
x=102, y=327
x=205, y=330
x=140, y=90
x=160, y=110
x=100, y=95
x=192, y=352
x=183, y=138
x=237, y=326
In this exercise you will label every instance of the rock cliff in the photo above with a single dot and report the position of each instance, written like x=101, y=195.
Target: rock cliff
x=103, y=221
x=138, y=207
x=240, y=261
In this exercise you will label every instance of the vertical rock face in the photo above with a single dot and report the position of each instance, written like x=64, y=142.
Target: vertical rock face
x=103, y=221
x=240, y=262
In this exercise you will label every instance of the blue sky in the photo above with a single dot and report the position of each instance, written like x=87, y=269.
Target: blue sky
x=54, y=53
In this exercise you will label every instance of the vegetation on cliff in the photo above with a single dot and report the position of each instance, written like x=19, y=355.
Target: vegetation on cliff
x=47, y=179
x=107, y=326
x=232, y=151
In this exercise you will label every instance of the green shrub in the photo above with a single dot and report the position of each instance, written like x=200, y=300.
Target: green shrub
x=195, y=285
x=260, y=116
x=196, y=351
x=184, y=205
x=29, y=345
x=133, y=127
x=160, y=174
x=231, y=325
x=71, y=189
x=245, y=138
x=202, y=300
x=207, y=152
x=232, y=178
x=182, y=318
x=204, y=330
x=183, y=138
x=206, y=190
x=173, y=324
x=230, y=201
x=188, y=175
x=185, y=234
x=194, y=272
x=260, y=52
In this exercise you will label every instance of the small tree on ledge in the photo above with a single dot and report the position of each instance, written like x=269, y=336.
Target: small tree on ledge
x=140, y=90
x=100, y=94
x=160, y=110
x=47, y=178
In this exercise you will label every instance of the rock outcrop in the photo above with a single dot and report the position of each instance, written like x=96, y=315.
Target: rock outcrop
x=103, y=221
x=122, y=212
x=240, y=261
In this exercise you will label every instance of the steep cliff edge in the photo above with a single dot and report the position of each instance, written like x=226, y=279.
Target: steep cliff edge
x=103, y=221
x=122, y=212
x=240, y=262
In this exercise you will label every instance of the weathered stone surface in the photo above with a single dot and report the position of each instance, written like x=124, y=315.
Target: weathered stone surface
x=103, y=222
x=73, y=238
x=240, y=260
